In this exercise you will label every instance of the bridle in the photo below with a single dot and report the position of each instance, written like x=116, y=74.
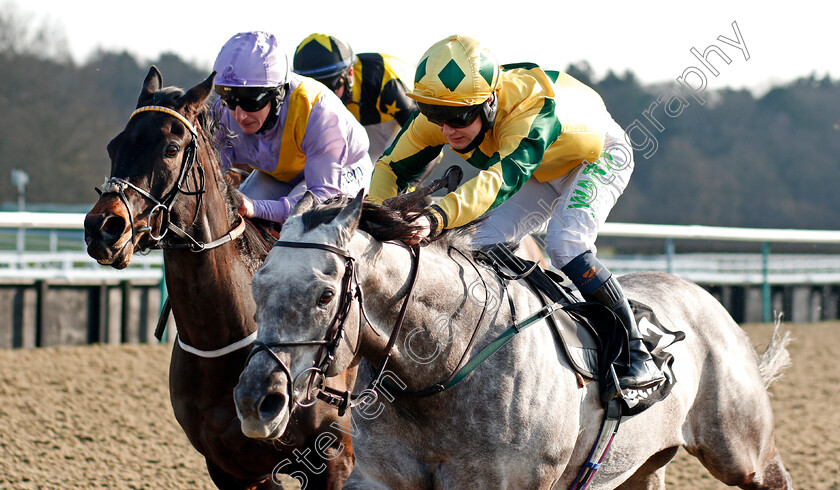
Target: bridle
x=118, y=186
x=164, y=205
x=351, y=291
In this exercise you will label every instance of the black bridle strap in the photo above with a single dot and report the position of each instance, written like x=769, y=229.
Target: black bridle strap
x=118, y=185
x=269, y=348
x=335, y=330
x=345, y=400
x=322, y=246
x=337, y=324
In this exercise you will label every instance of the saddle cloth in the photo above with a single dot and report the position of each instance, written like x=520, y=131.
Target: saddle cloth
x=589, y=332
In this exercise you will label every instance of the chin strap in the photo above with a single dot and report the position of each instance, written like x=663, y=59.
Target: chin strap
x=473, y=144
x=273, y=114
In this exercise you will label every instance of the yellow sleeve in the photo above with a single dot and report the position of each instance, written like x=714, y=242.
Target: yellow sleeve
x=383, y=183
x=416, y=145
x=539, y=132
x=508, y=156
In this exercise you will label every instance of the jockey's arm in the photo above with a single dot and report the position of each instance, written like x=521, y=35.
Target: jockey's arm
x=414, y=148
x=520, y=143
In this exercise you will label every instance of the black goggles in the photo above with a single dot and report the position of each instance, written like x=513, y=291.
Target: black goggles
x=333, y=83
x=250, y=99
x=455, y=117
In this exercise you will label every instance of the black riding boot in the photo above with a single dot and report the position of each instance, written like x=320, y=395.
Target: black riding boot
x=596, y=283
x=642, y=372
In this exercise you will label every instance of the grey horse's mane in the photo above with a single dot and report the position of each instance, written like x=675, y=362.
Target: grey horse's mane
x=383, y=223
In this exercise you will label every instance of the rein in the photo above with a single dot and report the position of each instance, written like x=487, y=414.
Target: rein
x=465, y=369
x=351, y=291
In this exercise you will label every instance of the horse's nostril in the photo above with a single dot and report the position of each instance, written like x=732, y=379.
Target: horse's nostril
x=113, y=226
x=271, y=406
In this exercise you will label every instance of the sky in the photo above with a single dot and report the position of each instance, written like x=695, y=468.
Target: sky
x=766, y=46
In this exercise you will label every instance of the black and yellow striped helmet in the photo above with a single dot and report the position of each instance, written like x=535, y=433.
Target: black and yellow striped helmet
x=456, y=71
x=323, y=58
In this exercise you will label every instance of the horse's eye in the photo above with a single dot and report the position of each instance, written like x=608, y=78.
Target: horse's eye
x=326, y=297
x=171, y=150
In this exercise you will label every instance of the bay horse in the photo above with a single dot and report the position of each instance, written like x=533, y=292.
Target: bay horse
x=166, y=190
x=522, y=418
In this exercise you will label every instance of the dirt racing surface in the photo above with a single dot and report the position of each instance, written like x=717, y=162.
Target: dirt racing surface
x=99, y=417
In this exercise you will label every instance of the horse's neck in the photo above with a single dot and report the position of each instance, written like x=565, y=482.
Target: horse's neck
x=447, y=304
x=210, y=290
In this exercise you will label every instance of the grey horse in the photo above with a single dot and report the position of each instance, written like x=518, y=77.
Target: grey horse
x=522, y=419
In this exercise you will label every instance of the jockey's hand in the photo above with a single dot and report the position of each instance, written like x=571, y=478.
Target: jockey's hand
x=425, y=228
x=246, y=209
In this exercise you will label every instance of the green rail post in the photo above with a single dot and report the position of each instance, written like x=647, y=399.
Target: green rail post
x=163, y=295
x=669, y=254
x=765, y=281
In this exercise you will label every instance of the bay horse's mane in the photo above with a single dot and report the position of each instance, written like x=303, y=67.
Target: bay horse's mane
x=384, y=223
x=258, y=237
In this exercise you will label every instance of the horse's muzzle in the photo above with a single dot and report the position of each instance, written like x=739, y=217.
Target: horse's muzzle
x=106, y=235
x=262, y=404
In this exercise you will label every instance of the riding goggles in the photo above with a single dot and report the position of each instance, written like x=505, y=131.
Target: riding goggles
x=333, y=83
x=455, y=117
x=250, y=99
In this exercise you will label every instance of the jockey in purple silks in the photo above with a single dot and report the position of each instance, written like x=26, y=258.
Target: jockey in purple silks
x=293, y=131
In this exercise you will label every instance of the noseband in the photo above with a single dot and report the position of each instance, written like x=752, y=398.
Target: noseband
x=350, y=290
x=164, y=205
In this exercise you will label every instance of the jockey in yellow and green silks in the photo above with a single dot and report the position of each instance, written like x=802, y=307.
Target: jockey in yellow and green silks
x=550, y=157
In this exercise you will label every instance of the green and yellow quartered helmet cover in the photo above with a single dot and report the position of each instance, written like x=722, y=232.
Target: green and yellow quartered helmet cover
x=456, y=71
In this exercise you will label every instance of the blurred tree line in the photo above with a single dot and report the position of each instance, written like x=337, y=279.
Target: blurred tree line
x=771, y=161
x=736, y=160
x=57, y=117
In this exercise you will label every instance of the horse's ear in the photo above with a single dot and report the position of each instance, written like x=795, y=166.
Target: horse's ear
x=304, y=204
x=151, y=84
x=349, y=217
x=195, y=97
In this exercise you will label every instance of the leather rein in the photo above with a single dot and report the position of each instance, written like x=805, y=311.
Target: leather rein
x=351, y=291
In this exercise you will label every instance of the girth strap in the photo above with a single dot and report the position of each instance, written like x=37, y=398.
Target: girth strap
x=609, y=428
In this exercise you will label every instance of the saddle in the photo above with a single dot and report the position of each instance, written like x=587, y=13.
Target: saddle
x=589, y=332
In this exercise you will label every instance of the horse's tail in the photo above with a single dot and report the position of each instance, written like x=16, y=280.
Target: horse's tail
x=775, y=358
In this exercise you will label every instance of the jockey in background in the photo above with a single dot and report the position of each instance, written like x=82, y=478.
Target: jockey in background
x=373, y=86
x=549, y=154
x=294, y=132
